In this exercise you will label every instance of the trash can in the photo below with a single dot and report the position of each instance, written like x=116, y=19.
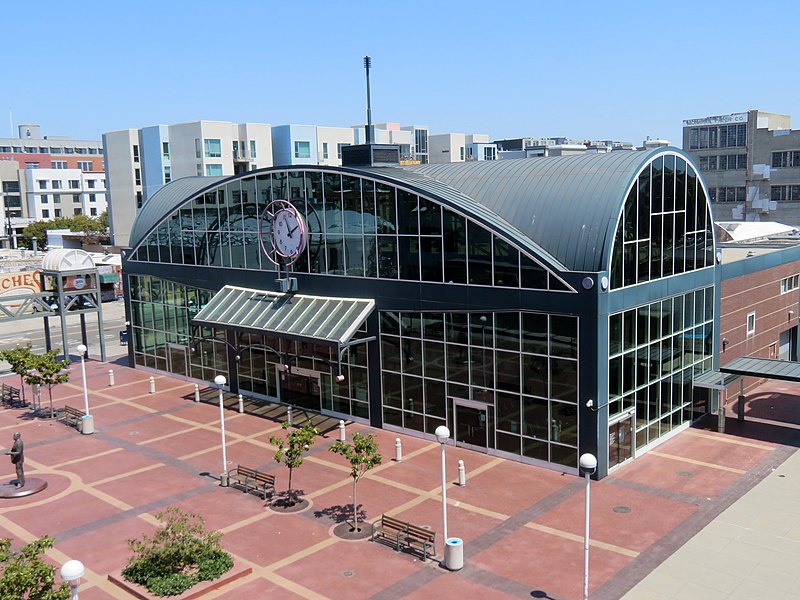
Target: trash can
x=123, y=337
x=87, y=424
x=454, y=553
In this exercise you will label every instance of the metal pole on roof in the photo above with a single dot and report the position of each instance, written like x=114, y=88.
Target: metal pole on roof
x=367, y=65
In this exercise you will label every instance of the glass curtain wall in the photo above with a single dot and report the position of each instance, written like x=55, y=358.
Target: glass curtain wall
x=655, y=350
x=358, y=227
x=522, y=366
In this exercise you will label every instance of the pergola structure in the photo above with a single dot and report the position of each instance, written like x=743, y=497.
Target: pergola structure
x=70, y=285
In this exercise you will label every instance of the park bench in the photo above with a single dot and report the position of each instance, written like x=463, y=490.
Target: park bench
x=252, y=479
x=11, y=396
x=71, y=416
x=412, y=535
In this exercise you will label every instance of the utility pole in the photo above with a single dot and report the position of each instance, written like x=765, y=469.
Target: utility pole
x=367, y=65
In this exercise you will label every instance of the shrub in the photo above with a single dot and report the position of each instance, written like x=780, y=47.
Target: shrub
x=179, y=555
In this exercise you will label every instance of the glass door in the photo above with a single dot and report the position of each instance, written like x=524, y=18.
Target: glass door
x=299, y=388
x=620, y=441
x=470, y=424
x=177, y=356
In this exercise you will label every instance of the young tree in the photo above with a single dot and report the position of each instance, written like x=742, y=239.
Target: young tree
x=49, y=372
x=290, y=452
x=20, y=359
x=362, y=454
x=25, y=575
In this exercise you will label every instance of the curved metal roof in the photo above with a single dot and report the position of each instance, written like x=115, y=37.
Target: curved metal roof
x=164, y=202
x=569, y=205
x=564, y=208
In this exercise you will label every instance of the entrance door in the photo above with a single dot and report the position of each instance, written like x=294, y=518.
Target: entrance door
x=620, y=441
x=470, y=424
x=177, y=358
x=299, y=388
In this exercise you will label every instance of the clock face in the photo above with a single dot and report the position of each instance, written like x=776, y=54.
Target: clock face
x=282, y=233
x=288, y=233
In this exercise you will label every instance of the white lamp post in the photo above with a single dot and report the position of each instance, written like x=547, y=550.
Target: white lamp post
x=72, y=571
x=442, y=435
x=588, y=465
x=82, y=349
x=220, y=381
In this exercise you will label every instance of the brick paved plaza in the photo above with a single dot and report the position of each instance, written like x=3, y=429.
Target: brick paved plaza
x=522, y=526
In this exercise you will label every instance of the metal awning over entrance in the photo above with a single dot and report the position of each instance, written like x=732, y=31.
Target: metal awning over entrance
x=318, y=319
x=742, y=366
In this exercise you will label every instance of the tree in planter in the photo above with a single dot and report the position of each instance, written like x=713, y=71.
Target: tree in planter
x=20, y=359
x=179, y=555
x=290, y=451
x=47, y=371
x=362, y=454
x=25, y=575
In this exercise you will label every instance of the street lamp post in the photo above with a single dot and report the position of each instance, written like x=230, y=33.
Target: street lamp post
x=442, y=435
x=72, y=571
x=588, y=465
x=221, y=381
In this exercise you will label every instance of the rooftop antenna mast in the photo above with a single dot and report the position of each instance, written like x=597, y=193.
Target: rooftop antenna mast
x=367, y=65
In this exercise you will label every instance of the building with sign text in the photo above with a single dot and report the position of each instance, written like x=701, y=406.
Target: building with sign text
x=540, y=308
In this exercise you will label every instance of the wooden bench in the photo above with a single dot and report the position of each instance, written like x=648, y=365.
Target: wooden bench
x=11, y=396
x=252, y=479
x=71, y=416
x=389, y=527
x=412, y=535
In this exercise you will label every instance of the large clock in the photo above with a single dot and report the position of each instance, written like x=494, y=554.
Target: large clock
x=283, y=233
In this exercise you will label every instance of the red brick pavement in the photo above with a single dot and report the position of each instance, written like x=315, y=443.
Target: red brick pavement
x=522, y=526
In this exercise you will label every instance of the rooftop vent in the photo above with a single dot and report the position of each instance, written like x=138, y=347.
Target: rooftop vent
x=371, y=155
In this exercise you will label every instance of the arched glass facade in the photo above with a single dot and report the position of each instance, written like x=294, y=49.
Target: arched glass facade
x=359, y=227
x=665, y=227
x=476, y=325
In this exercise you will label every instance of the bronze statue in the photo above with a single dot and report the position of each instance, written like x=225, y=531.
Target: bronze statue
x=17, y=454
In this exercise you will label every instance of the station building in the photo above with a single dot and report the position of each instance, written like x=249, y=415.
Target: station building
x=540, y=308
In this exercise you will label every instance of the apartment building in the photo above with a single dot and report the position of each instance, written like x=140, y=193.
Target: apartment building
x=751, y=164
x=53, y=193
x=459, y=147
x=34, y=151
x=141, y=161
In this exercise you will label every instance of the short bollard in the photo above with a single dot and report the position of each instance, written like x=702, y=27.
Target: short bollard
x=462, y=474
x=152, y=385
x=241, y=404
x=398, y=450
x=110, y=377
x=342, y=436
x=196, y=393
x=289, y=416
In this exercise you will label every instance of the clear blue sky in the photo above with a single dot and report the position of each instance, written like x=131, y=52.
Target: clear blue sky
x=599, y=70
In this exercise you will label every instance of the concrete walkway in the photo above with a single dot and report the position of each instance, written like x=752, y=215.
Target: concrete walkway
x=522, y=526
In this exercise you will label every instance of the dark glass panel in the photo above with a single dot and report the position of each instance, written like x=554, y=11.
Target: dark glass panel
x=456, y=328
x=534, y=375
x=368, y=204
x=333, y=220
x=631, y=213
x=390, y=353
x=615, y=376
x=535, y=420
x=413, y=396
x=508, y=371
x=669, y=244
x=629, y=330
x=628, y=371
x=457, y=363
x=387, y=257
x=386, y=209
x=630, y=268
x=264, y=190
x=433, y=326
x=564, y=379
x=431, y=257
x=430, y=217
x=536, y=449
x=669, y=183
x=480, y=255
x=617, y=260
x=564, y=423
x=411, y=324
x=412, y=356
x=434, y=359
x=691, y=200
x=392, y=392
x=351, y=205
x=655, y=246
x=534, y=276
x=507, y=332
x=280, y=188
x=563, y=455
x=615, y=333
x=506, y=264
x=564, y=336
x=642, y=325
x=644, y=203
x=508, y=443
x=435, y=403
x=390, y=323
x=680, y=243
x=481, y=329
x=393, y=417
x=334, y=251
x=407, y=213
x=296, y=186
x=657, y=190
x=680, y=183
x=370, y=256
x=508, y=412
x=454, y=237
x=409, y=257
x=354, y=253
x=482, y=368
x=534, y=333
